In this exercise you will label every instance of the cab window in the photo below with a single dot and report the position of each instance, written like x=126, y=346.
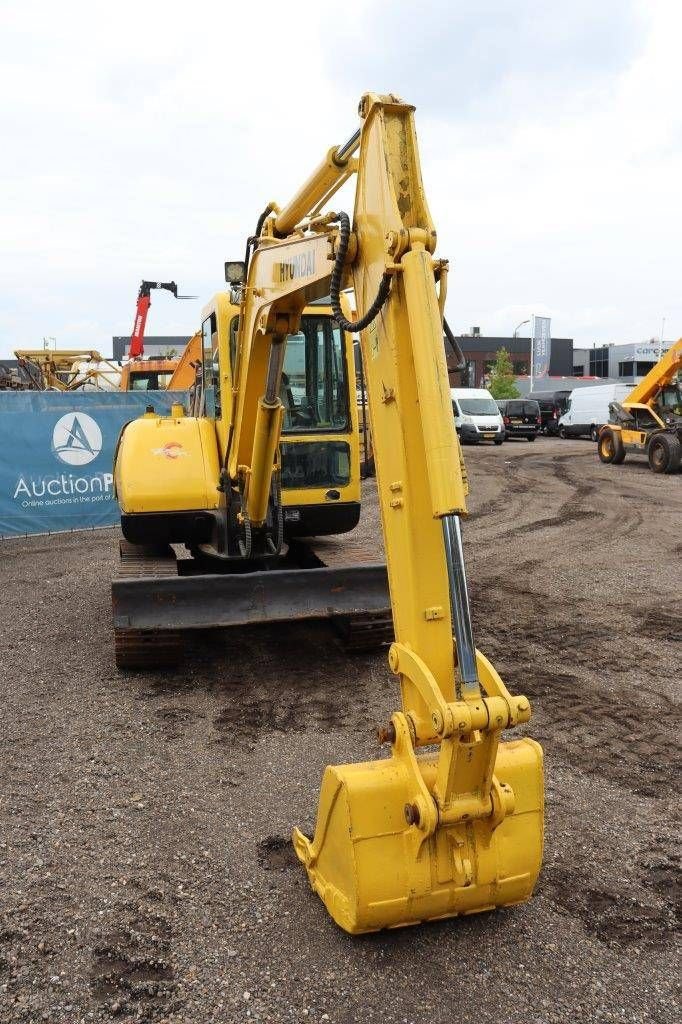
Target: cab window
x=211, y=368
x=644, y=420
x=234, y=328
x=314, y=389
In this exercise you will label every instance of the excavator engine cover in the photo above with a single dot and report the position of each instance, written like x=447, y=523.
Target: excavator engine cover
x=373, y=869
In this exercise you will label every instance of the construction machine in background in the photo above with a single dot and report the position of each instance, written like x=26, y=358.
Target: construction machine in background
x=153, y=374
x=144, y=301
x=68, y=370
x=184, y=375
x=649, y=420
x=452, y=821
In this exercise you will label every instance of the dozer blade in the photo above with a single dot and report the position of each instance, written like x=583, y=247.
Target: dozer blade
x=214, y=601
x=375, y=870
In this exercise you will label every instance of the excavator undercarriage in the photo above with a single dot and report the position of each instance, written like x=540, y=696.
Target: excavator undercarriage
x=159, y=600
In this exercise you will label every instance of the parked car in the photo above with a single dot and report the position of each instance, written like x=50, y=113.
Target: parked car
x=477, y=417
x=588, y=410
x=553, y=404
x=521, y=417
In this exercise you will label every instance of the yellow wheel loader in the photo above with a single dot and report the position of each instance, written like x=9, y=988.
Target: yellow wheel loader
x=649, y=421
x=451, y=822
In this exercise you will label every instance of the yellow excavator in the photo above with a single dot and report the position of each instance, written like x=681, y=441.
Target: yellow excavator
x=452, y=821
x=173, y=488
x=649, y=420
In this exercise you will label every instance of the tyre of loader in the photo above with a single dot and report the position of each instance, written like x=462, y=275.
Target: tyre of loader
x=610, y=447
x=664, y=453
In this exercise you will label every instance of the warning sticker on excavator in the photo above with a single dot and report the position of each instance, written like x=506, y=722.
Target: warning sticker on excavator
x=373, y=339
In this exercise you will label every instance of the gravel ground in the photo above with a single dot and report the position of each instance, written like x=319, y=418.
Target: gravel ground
x=145, y=872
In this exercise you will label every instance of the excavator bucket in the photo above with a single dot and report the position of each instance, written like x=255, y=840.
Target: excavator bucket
x=375, y=865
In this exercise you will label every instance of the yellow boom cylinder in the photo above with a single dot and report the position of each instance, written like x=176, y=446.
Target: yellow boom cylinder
x=266, y=438
x=322, y=183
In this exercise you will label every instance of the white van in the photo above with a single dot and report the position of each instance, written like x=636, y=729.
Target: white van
x=588, y=409
x=477, y=417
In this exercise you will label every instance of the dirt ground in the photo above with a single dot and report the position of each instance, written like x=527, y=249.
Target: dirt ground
x=145, y=872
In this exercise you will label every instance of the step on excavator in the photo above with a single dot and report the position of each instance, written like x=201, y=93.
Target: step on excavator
x=451, y=822
x=649, y=420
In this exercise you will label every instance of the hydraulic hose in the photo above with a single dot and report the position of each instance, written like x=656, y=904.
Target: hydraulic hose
x=253, y=239
x=335, y=285
x=454, y=345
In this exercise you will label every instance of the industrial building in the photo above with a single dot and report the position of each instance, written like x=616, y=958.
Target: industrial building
x=480, y=351
x=154, y=345
x=629, y=362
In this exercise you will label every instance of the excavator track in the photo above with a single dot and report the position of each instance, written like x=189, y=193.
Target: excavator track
x=364, y=631
x=137, y=648
x=359, y=634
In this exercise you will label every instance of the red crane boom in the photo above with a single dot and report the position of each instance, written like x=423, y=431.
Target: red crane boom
x=144, y=301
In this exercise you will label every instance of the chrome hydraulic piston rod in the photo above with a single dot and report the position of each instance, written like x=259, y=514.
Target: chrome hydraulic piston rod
x=467, y=672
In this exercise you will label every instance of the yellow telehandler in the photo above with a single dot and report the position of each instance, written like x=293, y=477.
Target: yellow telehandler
x=649, y=420
x=452, y=821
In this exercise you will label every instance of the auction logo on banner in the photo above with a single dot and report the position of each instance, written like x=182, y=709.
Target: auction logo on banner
x=76, y=439
x=542, y=346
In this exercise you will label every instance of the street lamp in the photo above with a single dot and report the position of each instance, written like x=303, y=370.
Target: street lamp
x=516, y=331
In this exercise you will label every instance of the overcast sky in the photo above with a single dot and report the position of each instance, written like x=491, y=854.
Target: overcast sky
x=143, y=140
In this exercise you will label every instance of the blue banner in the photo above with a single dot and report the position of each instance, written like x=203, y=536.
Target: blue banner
x=57, y=452
x=541, y=345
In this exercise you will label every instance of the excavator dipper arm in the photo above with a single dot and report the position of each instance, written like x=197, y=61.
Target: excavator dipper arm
x=458, y=829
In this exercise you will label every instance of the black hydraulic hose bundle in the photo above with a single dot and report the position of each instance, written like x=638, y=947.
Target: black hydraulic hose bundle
x=454, y=345
x=335, y=286
x=381, y=296
x=252, y=241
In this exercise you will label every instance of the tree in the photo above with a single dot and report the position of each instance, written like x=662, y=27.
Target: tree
x=501, y=372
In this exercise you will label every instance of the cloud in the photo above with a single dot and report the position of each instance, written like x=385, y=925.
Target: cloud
x=143, y=141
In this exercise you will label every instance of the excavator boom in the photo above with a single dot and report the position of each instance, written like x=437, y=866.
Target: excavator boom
x=416, y=836
x=451, y=822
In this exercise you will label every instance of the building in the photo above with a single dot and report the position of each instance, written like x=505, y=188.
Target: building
x=480, y=351
x=627, y=363
x=154, y=345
